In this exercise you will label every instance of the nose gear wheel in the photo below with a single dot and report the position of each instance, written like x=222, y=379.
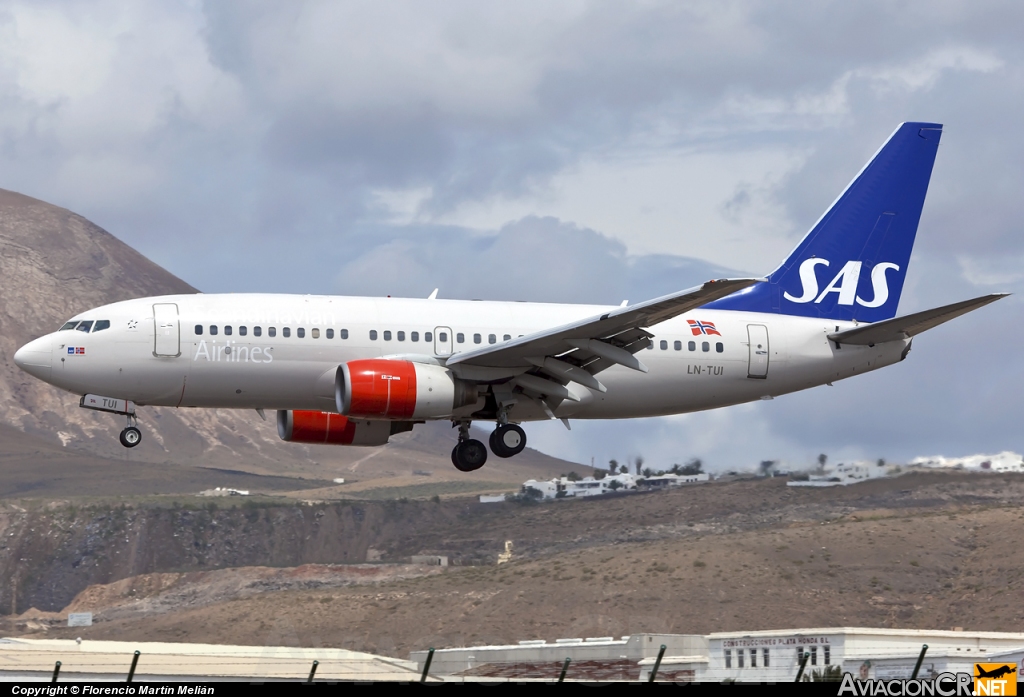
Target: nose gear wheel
x=130, y=437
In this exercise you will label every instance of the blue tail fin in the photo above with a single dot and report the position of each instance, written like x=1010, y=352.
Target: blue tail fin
x=852, y=263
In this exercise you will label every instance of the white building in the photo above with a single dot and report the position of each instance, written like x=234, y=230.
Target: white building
x=592, y=658
x=866, y=653
x=588, y=486
x=1005, y=461
x=759, y=656
x=669, y=480
x=848, y=473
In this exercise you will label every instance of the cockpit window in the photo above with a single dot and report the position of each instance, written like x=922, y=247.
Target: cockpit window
x=84, y=326
x=101, y=324
x=69, y=325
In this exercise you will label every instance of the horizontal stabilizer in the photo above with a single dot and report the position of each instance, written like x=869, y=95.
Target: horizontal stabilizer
x=899, y=328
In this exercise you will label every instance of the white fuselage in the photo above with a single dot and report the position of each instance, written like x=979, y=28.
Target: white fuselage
x=152, y=354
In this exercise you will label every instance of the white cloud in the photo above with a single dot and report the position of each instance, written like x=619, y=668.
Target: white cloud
x=924, y=72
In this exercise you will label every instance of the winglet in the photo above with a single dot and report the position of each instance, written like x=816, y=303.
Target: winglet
x=433, y=296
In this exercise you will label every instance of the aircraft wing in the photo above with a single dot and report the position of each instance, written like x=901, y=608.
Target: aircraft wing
x=589, y=345
x=899, y=328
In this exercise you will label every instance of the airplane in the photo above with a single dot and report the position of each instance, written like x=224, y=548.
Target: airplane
x=358, y=370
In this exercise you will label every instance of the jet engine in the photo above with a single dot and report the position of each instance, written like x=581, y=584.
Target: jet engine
x=382, y=388
x=334, y=429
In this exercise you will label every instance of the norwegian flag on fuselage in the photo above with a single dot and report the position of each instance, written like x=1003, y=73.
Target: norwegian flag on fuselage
x=698, y=327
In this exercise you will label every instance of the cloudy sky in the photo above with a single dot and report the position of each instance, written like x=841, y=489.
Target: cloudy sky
x=572, y=151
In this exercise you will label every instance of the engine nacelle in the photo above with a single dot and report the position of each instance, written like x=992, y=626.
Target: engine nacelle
x=334, y=429
x=382, y=388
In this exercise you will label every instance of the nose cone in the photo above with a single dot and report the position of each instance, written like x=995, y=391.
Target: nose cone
x=36, y=357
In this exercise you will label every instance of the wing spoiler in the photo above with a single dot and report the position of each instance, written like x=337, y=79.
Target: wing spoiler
x=899, y=328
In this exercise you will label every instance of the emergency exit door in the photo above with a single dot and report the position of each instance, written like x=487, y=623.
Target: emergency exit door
x=758, y=362
x=167, y=337
x=443, y=345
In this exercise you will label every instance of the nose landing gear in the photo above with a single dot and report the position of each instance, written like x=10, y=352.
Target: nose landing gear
x=469, y=454
x=131, y=435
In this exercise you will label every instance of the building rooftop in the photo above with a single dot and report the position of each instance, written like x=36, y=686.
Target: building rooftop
x=97, y=659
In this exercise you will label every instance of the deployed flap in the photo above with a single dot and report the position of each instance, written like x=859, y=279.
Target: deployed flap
x=552, y=342
x=900, y=328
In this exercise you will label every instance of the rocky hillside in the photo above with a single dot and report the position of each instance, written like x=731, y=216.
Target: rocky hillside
x=54, y=264
x=926, y=550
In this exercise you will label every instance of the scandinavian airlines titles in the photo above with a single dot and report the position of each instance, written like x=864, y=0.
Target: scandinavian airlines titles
x=844, y=284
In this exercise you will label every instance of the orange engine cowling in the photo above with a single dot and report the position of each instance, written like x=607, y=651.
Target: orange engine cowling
x=334, y=429
x=383, y=388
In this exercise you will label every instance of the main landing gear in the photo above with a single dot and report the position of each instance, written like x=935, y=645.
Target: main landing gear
x=507, y=440
x=131, y=435
x=470, y=454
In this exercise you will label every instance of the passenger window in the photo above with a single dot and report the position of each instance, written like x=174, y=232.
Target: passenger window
x=84, y=326
x=705, y=346
x=650, y=346
x=477, y=339
x=415, y=336
x=460, y=338
x=68, y=325
x=507, y=337
x=492, y=339
x=271, y=331
x=692, y=345
x=678, y=346
x=300, y=332
x=373, y=335
x=286, y=332
x=199, y=330
x=213, y=330
x=243, y=330
x=664, y=345
x=330, y=333
x=401, y=336
x=101, y=324
x=387, y=335
x=314, y=332
x=227, y=330
x=257, y=331
x=427, y=336
x=344, y=333
x=720, y=347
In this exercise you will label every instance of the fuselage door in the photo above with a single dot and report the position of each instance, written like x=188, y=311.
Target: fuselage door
x=442, y=341
x=166, y=338
x=758, y=365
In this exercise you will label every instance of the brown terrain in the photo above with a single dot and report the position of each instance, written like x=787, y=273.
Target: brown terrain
x=927, y=550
